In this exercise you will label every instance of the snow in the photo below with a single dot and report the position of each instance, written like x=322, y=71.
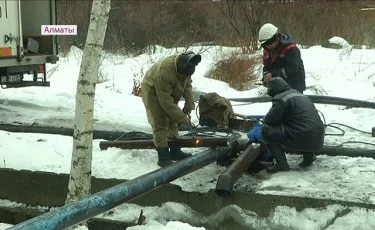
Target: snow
x=329, y=177
x=171, y=225
x=174, y=216
x=339, y=41
x=281, y=218
x=345, y=73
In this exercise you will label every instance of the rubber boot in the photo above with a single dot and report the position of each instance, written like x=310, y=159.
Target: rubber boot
x=177, y=154
x=280, y=158
x=164, y=157
x=308, y=159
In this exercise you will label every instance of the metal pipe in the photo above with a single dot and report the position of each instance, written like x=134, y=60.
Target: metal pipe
x=229, y=177
x=20, y=51
x=88, y=207
x=98, y=134
x=222, y=141
x=315, y=99
x=349, y=152
x=103, y=134
x=183, y=142
x=337, y=151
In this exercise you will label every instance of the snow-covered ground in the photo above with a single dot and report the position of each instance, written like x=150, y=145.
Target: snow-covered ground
x=175, y=216
x=344, y=73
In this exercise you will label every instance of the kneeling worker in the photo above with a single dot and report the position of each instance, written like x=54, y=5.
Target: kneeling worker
x=293, y=122
x=162, y=88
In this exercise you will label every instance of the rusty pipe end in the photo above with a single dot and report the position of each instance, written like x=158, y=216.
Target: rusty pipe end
x=224, y=186
x=103, y=146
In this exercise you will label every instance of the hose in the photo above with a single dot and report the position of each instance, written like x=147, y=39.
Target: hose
x=196, y=111
x=316, y=99
x=324, y=118
x=351, y=142
x=343, y=132
x=135, y=135
x=347, y=126
x=335, y=134
x=332, y=125
x=209, y=131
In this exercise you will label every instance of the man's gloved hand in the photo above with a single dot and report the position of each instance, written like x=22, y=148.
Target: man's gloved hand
x=187, y=120
x=266, y=79
x=255, y=135
x=264, y=74
x=185, y=111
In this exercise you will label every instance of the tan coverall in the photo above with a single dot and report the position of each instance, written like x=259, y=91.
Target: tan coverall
x=162, y=88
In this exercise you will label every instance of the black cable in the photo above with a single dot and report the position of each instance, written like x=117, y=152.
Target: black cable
x=325, y=126
x=342, y=131
x=249, y=103
x=350, y=127
x=324, y=118
x=201, y=135
x=335, y=134
x=134, y=135
x=196, y=111
x=210, y=131
x=331, y=125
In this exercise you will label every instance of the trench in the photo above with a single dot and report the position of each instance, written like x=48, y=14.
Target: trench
x=48, y=190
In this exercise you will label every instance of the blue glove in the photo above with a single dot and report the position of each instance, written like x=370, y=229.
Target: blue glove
x=255, y=135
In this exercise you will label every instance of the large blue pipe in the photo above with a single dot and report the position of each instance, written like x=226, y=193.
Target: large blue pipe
x=86, y=208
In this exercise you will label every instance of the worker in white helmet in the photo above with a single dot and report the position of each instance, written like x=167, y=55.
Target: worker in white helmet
x=281, y=57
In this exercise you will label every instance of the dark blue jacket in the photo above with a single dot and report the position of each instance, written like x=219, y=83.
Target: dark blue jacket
x=293, y=119
x=285, y=62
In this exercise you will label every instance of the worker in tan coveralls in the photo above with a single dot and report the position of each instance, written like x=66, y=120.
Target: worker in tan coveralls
x=162, y=88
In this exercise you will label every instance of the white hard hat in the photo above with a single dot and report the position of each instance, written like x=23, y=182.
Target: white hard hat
x=266, y=32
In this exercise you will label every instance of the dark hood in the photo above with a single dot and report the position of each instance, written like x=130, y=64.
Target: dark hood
x=276, y=86
x=286, y=39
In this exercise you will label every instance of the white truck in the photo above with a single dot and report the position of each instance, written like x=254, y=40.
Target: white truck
x=24, y=52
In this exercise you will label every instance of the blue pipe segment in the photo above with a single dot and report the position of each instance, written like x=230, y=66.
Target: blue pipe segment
x=93, y=205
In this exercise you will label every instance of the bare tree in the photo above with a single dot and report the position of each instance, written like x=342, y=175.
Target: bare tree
x=80, y=173
x=244, y=17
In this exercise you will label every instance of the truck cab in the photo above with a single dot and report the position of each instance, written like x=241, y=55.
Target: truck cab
x=24, y=51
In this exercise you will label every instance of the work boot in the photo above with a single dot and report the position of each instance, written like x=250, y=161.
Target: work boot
x=164, y=157
x=258, y=166
x=308, y=159
x=177, y=154
x=280, y=158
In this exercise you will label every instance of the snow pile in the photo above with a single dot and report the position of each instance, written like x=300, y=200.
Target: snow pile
x=282, y=217
x=172, y=225
x=5, y=226
x=177, y=216
x=340, y=41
